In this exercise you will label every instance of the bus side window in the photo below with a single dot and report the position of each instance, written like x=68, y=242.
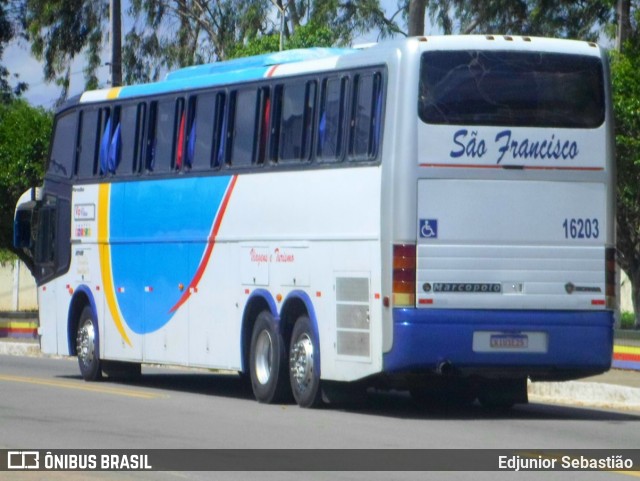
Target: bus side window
x=331, y=120
x=377, y=114
x=190, y=133
x=296, y=121
x=129, y=139
x=276, y=122
x=222, y=134
x=160, y=144
x=244, y=107
x=88, y=143
x=105, y=141
x=200, y=145
x=308, y=119
x=63, y=150
x=180, y=136
x=364, y=126
x=141, y=124
x=264, y=123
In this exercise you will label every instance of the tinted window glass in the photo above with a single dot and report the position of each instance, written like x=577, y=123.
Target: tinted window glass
x=245, y=123
x=88, y=144
x=105, y=129
x=296, y=121
x=331, y=124
x=528, y=89
x=366, y=113
x=63, y=149
x=161, y=154
x=221, y=135
x=129, y=135
x=200, y=135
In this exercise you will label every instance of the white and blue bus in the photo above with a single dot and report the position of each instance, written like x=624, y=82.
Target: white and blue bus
x=433, y=214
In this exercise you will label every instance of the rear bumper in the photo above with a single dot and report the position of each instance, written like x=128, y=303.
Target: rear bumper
x=579, y=343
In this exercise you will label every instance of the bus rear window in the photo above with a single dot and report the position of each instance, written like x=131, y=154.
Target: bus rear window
x=520, y=89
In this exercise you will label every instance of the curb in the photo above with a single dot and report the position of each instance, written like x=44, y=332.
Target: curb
x=581, y=393
x=17, y=348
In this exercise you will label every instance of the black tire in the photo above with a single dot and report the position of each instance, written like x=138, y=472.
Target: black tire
x=88, y=346
x=303, y=375
x=268, y=361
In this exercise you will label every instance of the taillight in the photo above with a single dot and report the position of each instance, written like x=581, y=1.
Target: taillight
x=404, y=275
x=610, y=284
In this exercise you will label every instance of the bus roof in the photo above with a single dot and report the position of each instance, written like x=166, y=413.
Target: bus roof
x=220, y=73
x=316, y=59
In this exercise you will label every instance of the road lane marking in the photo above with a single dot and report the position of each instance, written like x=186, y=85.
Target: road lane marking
x=81, y=386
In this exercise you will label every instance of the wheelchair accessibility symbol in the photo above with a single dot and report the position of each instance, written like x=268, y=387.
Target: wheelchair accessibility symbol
x=429, y=228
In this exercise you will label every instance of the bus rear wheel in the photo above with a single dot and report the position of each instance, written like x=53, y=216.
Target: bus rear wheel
x=88, y=346
x=304, y=378
x=267, y=361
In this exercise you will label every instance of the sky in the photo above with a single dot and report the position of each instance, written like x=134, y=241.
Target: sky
x=18, y=59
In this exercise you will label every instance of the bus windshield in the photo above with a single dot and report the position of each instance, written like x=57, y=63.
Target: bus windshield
x=519, y=89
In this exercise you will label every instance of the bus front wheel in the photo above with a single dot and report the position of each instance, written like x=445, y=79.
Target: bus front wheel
x=87, y=346
x=304, y=378
x=267, y=363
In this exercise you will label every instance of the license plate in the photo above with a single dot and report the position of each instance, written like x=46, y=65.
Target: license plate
x=514, y=342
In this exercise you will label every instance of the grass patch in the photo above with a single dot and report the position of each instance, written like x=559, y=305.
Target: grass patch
x=627, y=320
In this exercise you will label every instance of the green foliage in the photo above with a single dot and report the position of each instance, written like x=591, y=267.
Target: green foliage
x=6, y=257
x=168, y=34
x=24, y=144
x=305, y=36
x=626, y=105
x=627, y=320
x=257, y=46
x=7, y=33
x=60, y=30
x=582, y=19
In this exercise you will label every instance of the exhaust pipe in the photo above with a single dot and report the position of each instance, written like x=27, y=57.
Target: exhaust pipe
x=444, y=368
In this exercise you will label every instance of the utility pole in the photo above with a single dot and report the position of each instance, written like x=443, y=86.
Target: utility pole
x=623, y=13
x=417, y=10
x=283, y=11
x=116, y=43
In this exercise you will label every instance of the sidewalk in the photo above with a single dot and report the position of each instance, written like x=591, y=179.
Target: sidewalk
x=615, y=389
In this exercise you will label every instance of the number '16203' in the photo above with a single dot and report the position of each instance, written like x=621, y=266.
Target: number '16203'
x=581, y=228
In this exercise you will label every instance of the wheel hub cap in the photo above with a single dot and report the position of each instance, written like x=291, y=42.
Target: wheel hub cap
x=301, y=361
x=263, y=357
x=85, y=343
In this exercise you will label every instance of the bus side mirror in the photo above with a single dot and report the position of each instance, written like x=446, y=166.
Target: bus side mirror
x=22, y=226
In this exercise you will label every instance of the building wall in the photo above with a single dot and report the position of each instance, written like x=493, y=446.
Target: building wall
x=17, y=288
x=625, y=293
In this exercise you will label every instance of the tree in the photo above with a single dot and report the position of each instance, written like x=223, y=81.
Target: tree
x=24, y=144
x=205, y=31
x=626, y=87
x=581, y=19
x=212, y=31
x=60, y=30
x=305, y=36
x=626, y=99
x=7, y=32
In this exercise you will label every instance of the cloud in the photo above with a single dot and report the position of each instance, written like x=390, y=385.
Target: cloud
x=18, y=60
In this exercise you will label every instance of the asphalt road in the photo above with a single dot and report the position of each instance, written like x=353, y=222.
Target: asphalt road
x=44, y=404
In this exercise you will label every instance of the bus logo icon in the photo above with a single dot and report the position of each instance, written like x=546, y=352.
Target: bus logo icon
x=23, y=460
x=429, y=228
